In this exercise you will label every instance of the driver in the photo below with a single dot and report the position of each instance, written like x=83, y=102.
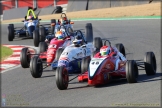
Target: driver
x=60, y=35
x=78, y=41
x=106, y=50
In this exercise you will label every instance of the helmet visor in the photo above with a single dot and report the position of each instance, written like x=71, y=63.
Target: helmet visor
x=104, y=53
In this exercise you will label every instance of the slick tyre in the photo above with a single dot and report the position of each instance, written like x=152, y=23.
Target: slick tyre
x=10, y=33
x=62, y=78
x=42, y=47
x=58, y=53
x=36, y=37
x=150, y=63
x=42, y=33
x=25, y=58
x=97, y=43
x=121, y=48
x=36, y=67
x=85, y=64
x=131, y=71
x=89, y=32
x=53, y=21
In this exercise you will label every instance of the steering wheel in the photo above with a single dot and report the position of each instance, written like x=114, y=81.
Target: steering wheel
x=77, y=32
x=108, y=42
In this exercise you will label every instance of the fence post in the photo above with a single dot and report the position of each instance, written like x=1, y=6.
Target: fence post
x=16, y=3
x=34, y=3
x=55, y=3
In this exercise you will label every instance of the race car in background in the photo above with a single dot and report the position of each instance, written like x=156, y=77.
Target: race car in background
x=73, y=53
x=46, y=50
x=31, y=28
x=100, y=70
x=55, y=24
x=63, y=24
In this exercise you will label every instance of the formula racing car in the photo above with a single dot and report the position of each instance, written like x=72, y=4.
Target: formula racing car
x=100, y=70
x=31, y=28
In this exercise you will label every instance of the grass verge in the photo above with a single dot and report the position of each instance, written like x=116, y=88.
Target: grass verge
x=5, y=52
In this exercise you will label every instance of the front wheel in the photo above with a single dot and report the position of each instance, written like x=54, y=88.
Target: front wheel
x=10, y=33
x=62, y=78
x=150, y=63
x=36, y=67
x=131, y=71
x=85, y=64
x=25, y=58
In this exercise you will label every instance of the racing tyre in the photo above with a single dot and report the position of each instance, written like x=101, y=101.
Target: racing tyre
x=85, y=65
x=121, y=48
x=12, y=25
x=70, y=31
x=62, y=78
x=36, y=37
x=36, y=67
x=10, y=33
x=94, y=53
x=42, y=47
x=131, y=71
x=25, y=58
x=42, y=34
x=97, y=43
x=58, y=53
x=89, y=32
x=150, y=63
x=53, y=26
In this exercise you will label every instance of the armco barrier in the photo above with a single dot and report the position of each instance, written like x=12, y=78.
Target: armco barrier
x=15, y=13
x=77, y=5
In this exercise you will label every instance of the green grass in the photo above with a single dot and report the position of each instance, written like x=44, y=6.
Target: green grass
x=5, y=52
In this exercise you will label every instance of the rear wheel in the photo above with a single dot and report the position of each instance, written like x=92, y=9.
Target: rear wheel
x=36, y=37
x=89, y=32
x=94, y=53
x=62, y=78
x=58, y=53
x=121, y=48
x=25, y=58
x=131, y=71
x=150, y=63
x=85, y=64
x=36, y=67
x=53, y=22
x=42, y=33
x=97, y=42
x=42, y=47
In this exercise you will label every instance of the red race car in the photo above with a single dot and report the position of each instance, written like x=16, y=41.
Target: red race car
x=101, y=69
x=46, y=52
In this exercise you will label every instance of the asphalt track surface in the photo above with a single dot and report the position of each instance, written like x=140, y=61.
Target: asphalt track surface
x=138, y=37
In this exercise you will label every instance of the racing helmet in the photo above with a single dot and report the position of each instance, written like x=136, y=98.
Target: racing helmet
x=30, y=18
x=59, y=35
x=78, y=41
x=63, y=22
x=105, y=50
